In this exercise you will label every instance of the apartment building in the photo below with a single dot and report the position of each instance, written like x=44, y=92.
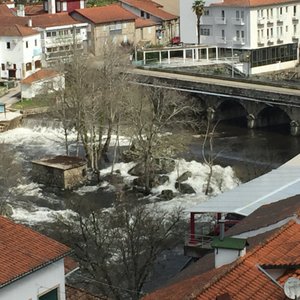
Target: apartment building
x=263, y=34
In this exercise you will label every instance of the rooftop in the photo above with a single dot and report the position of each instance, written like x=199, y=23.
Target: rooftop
x=106, y=14
x=278, y=184
x=61, y=162
x=14, y=30
x=246, y=278
x=229, y=243
x=5, y=11
x=22, y=251
x=39, y=75
x=252, y=3
x=140, y=23
x=150, y=7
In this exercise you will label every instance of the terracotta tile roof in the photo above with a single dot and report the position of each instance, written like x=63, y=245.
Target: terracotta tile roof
x=23, y=251
x=252, y=3
x=244, y=280
x=73, y=293
x=140, y=23
x=150, y=7
x=39, y=75
x=49, y=20
x=16, y=30
x=31, y=10
x=70, y=264
x=42, y=21
x=5, y=11
x=106, y=14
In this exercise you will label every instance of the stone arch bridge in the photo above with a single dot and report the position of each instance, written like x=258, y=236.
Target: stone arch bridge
x=260, y=104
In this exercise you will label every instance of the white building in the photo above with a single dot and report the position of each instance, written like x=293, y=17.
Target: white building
x=42, y=82
x=20, y=51
x=31, y=265
x=263, y=33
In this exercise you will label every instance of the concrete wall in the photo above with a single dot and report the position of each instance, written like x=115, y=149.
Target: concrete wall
x=37, y=283
x=227, y=256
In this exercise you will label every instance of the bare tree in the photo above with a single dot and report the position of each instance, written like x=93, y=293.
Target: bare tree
x=152, y=112
x=207, y=151
x=118, y=247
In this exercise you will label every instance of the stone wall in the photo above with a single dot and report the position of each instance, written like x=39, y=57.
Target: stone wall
x=66, y=179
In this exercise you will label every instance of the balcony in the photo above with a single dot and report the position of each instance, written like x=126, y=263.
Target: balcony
x=260, y=43
x=205, y=20
x=271, y=41
x=295, y=39
x=280, y=20
x=261, y=21
x=238, y=21
x=239, y=41
x=221, y=40
x=279, y=40
x=270, y=22
x=220, y=20
x=295, y=20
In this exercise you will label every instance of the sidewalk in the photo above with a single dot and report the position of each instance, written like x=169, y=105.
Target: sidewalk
x=13, y=96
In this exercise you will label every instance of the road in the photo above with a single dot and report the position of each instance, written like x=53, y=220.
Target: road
x=13, y=96
x=220, y=82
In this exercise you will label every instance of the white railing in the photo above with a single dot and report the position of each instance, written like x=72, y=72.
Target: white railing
x=200, y=241
x=239, y=41
x=220, y=39
x=238, y=21
x=220, y=20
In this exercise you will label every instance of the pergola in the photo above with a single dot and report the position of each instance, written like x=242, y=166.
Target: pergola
x=193, y=51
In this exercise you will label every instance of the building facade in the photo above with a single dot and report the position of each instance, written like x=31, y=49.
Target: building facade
x=265, y=35
x=20, y=51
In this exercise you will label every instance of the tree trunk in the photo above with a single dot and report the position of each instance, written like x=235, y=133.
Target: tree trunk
x=209, y=179
x=198, y=29
x=107, y=142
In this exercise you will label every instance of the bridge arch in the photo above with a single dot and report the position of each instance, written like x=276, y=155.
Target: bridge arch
x=231, y=110
x=273, y=116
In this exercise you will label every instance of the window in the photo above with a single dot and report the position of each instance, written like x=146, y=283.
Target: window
x=280, y=10
x=237, y=34
x=26, y=44
x=14, y=66
x=66, y=32
x=28, y=67
x=204, y=31
x=206, y=12
x=53, y=33
x=223, y=33
x=35, y=43
x=37, y=64
x=142, y=14
x=286, y=9
x=237, y=15
x=48, y=34
x=148, y=16
x=242, y=34
x=8, y=45
x=286, y=28
x=60, y=32
x=271, y=12
x=77, y=30
x=115, y=28
x=242, y=15
x=223, y=14
x=271, y=32
x=295, y=29
x=294, y=10
x=3, y=67
x=52, y=295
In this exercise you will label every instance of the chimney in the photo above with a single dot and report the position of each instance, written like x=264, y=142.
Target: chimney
x=29, y=24
x=20, y=10
x=228, y=249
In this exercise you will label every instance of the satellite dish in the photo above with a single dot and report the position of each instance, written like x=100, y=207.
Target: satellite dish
x=292, y=288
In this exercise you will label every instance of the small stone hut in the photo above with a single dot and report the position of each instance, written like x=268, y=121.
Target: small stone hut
x=61, y=171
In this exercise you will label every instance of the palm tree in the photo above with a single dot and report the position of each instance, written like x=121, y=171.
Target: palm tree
x=198, y=9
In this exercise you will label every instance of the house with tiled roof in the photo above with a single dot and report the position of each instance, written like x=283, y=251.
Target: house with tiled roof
x=256, y=229
x=263, y=34
x=59, y=34
x=31, y=264
x=107, y=22
x=20, y=50
x=41, y=82
x=169, y=23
